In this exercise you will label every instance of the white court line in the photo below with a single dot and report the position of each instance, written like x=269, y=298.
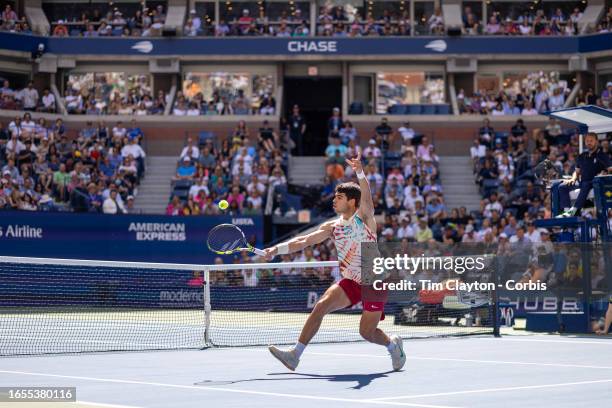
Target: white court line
x=601, y=343
x=526, y=387
x=99, y=404
x=465, y=360
x=230, y=390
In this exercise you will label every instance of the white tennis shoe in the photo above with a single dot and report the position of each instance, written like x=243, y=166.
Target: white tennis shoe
x=287, y=357
x=398, y=358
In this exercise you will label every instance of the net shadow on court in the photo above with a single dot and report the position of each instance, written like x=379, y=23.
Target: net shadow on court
x=525, y=371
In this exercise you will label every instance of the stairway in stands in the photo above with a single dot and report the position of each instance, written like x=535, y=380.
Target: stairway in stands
x=458, y=183
x=308, y=170
x=154, y=190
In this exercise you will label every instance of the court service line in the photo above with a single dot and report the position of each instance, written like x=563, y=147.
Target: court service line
x=485, y=390
x=603, y=342
x=465, y=360
x=100, y=404
x=229, y=390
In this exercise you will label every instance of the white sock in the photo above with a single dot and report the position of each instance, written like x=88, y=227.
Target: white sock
x=391, y=346
x=299, y=349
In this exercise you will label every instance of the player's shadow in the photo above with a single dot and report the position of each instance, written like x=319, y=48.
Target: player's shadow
x=361, y=380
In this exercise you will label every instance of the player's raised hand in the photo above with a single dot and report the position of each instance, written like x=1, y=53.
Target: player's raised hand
x=355, y=163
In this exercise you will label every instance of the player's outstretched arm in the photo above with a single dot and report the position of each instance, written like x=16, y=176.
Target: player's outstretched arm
x=366, y=204
x=302, y=241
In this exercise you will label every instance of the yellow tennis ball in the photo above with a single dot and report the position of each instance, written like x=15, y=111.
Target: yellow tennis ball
x=223, y=204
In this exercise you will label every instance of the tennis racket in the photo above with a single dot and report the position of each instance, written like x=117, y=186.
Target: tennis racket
x=226, y=239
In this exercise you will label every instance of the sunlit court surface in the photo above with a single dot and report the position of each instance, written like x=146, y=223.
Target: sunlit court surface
x=512, y=371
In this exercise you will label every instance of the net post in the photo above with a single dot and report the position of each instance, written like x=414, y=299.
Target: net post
x=207, y=307
x=495, y=317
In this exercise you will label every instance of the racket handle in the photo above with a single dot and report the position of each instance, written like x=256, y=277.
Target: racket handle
x=259, y=252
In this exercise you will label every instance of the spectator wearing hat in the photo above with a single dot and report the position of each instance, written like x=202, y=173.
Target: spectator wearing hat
x=129, y=206
x=186, y=170
x=60, y=30
x=245, y=21
x=470, y=235
x=423, y=232
x=372, y=151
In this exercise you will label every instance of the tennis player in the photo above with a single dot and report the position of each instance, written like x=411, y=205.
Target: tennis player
x=355, y=224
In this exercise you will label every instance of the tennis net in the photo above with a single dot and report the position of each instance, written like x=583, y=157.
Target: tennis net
x=70, y=306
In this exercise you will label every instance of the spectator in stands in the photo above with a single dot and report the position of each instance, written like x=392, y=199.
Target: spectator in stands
x=29, y=97
x=606, y=95
x=335, y=149
x=348, y=133
x=47, y=102
x=334, y=124
x=296, y=126
x=9, y=14
x=384, y=133
x=186, y=170
x=372, y=151
x=268, y=139
x=190, y=150
x=175, y=207
x=60, y=30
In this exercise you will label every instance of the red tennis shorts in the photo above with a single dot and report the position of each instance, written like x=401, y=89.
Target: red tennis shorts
x=372, y=300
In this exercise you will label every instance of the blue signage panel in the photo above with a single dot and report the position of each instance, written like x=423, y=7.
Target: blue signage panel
x=138, y=238
x=389, y=46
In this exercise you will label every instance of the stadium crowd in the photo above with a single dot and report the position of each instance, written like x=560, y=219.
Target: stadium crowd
x=234, y=168
x=504, y=163
x=534, y=94
x=101, y=96
x=107, y=21
x=223, y=101
x=135, y=20
x=43, y=170
x=26, y=99
x=12, y=22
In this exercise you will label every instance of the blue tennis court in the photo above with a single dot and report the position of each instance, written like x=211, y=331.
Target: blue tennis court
x=512, y=371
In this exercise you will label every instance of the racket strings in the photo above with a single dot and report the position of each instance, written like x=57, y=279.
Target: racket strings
x=226, y=238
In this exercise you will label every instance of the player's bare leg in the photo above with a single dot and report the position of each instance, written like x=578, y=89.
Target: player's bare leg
x=368, y=328
x=333, y=299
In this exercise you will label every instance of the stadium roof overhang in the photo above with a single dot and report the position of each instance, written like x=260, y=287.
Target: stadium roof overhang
x=586, y=118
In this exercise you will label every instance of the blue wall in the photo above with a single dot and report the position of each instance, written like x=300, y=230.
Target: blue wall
x=115, y=237
x=319, y=46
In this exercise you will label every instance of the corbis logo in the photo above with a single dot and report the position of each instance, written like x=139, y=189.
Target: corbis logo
x=312, y=46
